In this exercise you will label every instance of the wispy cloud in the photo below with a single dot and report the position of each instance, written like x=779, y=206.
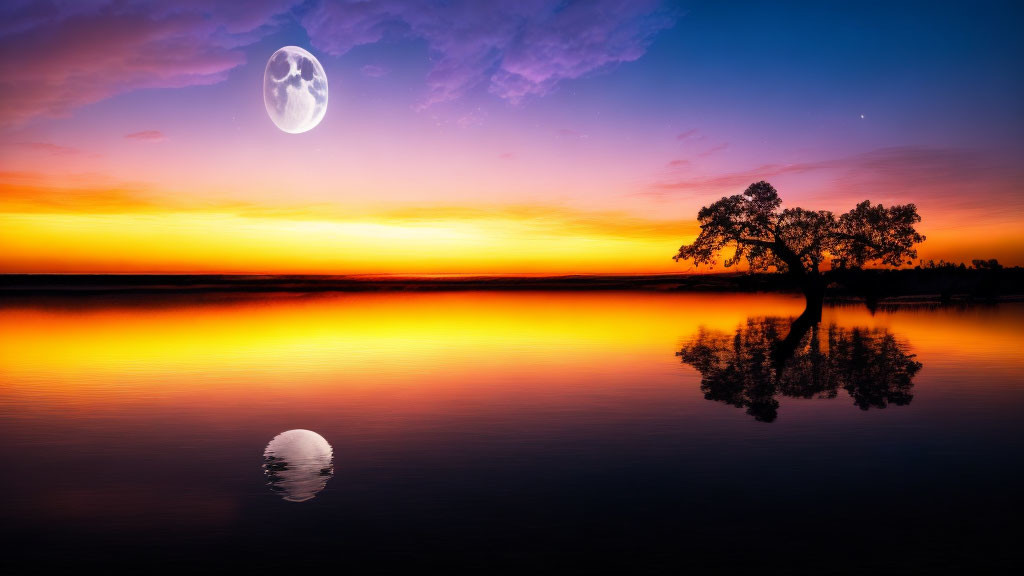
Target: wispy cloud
x=732, y=182
x=51, y=148
x=85, y=194
x=55, y=60
x=147, y=136
x=948, y=177
x=515, y=49
x=570, y=133
x=374, y=71
x=548, y=219
x=713, y=150
x=33, y=192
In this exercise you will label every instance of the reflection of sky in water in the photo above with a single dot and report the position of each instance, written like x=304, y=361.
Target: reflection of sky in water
x=505, y=424
x=297, y=464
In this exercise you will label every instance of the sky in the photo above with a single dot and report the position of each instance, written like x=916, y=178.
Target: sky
x=528, y=137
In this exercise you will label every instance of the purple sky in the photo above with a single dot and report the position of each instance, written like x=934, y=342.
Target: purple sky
x=615, y=114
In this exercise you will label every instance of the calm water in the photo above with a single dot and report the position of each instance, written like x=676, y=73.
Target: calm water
x=645, y=432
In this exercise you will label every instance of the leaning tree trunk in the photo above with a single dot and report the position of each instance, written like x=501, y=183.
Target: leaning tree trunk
x=813, y=287
x=786, y=348
x=810, y=281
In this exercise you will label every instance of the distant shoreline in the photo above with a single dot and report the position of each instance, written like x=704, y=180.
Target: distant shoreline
x=87, y=284
x=906, y=286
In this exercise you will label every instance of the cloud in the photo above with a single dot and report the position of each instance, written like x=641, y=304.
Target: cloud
x=916, y=166
x=687, y=134
x=475, y=117
x=957, y=179
x=55, y=60
x=34, y=192
x=374, y=71
x=966, y=185
x=147, y=136
x=713, y=150
x=732, y=182
x=516, y=49
x=570, y=133
x=51, y=148
x=546, y=219
x=91, y=193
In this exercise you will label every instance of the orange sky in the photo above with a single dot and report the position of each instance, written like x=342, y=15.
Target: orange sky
x=138, y=141
x=89, y=223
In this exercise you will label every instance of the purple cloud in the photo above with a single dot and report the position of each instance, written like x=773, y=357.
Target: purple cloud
x=53, y=61
x=55, y=58
x=515, y=49
x=713, y=150
x=147, y=136
x=955, y=178
x=374, y=71
x=734, y=181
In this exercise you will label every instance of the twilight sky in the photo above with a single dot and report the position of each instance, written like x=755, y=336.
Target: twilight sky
x=464, y=136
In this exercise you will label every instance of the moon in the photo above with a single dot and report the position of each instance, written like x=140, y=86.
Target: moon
x=295, y=90
x=298, y=464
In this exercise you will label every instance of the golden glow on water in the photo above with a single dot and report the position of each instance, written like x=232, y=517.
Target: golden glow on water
x=342, y=344
x=417, y=349
x=129, y=395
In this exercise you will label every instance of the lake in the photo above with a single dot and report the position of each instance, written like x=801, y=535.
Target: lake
x=490, y=431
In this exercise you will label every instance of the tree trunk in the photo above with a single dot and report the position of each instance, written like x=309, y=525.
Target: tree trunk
x=811, y=281
x=813, y=286
x=785, y=349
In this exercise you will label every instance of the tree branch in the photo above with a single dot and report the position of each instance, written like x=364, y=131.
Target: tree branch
x=855, y=238
x=756, y=242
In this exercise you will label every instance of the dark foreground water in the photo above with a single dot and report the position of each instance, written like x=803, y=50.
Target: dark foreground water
x=487, y=432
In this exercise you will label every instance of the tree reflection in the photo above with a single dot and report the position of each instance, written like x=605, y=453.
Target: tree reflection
x=767, y=357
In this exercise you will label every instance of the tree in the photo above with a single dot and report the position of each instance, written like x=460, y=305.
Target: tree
x=755, y=365
x=797, y=241
x=991, y=264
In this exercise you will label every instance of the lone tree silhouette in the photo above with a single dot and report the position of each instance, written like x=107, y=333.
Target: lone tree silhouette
x=754, y=366
x=797, y=241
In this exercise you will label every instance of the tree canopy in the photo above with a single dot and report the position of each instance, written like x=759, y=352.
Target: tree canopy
x=797, y=240
x=745, y=368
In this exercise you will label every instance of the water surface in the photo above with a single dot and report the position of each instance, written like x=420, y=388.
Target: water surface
x=647, y=432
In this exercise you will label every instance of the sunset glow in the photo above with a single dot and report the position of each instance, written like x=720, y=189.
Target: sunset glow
x=524, y=286
x=596, y=168
x=341, y=349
